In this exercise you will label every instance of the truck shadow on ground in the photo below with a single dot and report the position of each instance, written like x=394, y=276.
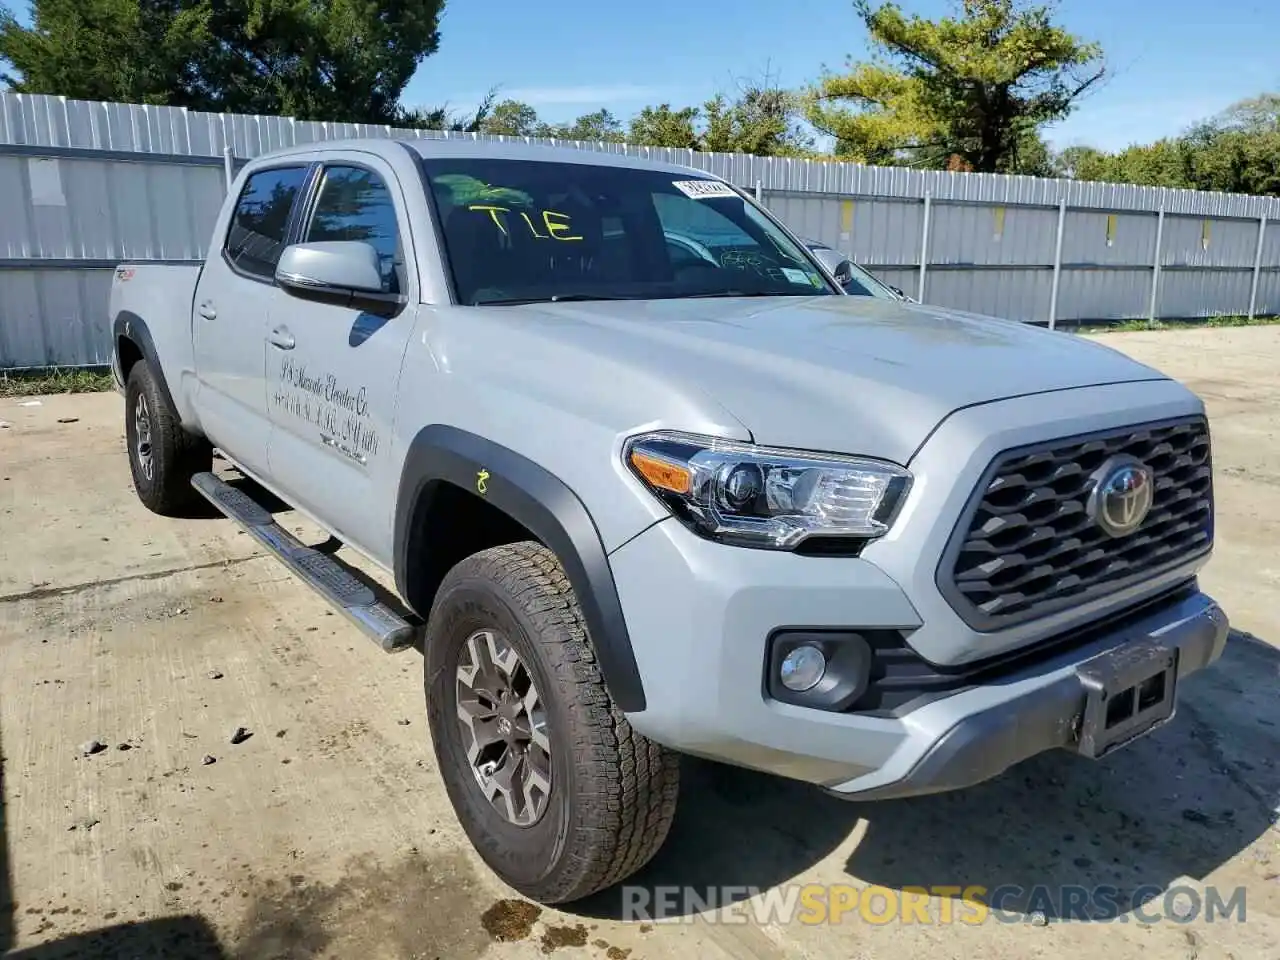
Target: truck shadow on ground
x=171, y=938
x=201, y=509
x=1179, y=803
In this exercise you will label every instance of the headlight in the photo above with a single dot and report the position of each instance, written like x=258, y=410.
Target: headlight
x=767, y=497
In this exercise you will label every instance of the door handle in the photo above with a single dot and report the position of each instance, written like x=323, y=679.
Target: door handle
x=282, y=338
x=206, y=310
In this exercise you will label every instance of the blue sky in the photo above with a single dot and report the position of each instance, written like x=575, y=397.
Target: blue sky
x=1172, y=62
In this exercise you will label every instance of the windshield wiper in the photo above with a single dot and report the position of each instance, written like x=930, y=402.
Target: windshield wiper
x=578, y=297
x=733, y=293
x=554, y=298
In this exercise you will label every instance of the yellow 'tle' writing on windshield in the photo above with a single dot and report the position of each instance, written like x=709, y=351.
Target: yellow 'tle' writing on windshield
x=556, y=224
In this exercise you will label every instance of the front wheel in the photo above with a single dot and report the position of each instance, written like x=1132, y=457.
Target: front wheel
x=560, y=797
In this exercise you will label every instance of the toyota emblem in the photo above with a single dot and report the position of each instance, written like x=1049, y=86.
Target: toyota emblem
x=1123, y=490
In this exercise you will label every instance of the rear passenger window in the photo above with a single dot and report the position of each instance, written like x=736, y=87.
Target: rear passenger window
x=256, y=238
x=354, y=204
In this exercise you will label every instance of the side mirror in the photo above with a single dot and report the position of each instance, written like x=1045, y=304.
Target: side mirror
x=332, y=267
x=843, y=272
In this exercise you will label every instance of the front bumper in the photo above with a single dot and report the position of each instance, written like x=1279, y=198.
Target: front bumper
x=699, y=616
x=1047, y=714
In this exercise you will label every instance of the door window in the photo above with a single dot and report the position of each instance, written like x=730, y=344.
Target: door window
x=261, y=219
x=355, y=204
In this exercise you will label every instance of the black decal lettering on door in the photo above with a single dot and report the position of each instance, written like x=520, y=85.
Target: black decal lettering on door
x=339, y=410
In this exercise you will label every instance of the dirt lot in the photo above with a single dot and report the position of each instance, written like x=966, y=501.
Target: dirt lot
x=327, y=832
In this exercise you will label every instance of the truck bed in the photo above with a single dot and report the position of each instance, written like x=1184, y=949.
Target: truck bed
x=138, y=284
x=160, y=296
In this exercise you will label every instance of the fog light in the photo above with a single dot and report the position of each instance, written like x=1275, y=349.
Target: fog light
x=802, y=668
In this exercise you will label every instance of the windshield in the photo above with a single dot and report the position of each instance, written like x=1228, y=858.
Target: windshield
x=520, y=231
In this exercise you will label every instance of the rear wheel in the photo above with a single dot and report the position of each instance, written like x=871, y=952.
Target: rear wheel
x=162, y=456
x=554, y=789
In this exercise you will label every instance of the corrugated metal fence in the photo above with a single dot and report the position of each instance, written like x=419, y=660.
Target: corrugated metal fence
x=84, y=185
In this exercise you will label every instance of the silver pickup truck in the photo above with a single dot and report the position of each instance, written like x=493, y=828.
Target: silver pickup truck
x=650, y=481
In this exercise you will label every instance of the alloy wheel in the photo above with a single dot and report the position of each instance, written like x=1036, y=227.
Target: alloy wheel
x=142, y=437
x=504, y=728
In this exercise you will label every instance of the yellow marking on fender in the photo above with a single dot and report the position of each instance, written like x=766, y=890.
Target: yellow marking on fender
x=482, y=482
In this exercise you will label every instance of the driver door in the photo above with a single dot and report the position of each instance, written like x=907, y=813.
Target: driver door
x=333, y=368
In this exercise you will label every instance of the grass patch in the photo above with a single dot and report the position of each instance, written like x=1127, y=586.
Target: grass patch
x=1242, y=321
x=1143, y=326
x=35, y=382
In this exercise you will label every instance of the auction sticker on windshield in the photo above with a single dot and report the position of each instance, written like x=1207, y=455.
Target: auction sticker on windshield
x=704, y=189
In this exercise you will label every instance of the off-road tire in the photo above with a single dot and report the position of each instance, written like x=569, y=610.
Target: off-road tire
x=613, y=792
x=176, y=456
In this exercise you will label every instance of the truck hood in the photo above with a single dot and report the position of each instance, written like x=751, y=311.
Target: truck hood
x=838, y=373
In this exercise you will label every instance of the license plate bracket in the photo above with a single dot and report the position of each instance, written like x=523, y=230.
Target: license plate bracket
x=1129, y=691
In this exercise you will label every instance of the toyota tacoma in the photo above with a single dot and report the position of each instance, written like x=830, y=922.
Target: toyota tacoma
x=651, y=481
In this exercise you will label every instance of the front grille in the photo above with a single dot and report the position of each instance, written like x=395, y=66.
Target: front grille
x=1026, y=546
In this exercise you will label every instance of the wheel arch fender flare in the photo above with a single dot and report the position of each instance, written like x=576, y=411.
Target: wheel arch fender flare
x=129, y=326
x=543, y=504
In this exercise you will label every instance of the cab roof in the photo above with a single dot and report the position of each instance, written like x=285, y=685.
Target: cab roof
x=430, y=148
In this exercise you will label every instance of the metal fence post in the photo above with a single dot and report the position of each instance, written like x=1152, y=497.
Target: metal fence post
x=760, y=192
x=924, y=244
x=1155, y=271
x=229, y=166
x=1257, y=266
x=1057, y=263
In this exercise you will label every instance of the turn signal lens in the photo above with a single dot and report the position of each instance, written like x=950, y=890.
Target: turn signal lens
x=768, y=497
x=661, y=473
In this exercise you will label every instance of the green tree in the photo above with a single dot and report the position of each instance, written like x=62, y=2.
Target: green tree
x=511, y=118
x=344, y=60
x=763, y=120
x=1237, y=151
x=124, y=50
x=598, y=126
x=664, y=126
x=442, y=118
x=1165, y=163
x=975, y=86
x=1071, y=161
x=1030, y=156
